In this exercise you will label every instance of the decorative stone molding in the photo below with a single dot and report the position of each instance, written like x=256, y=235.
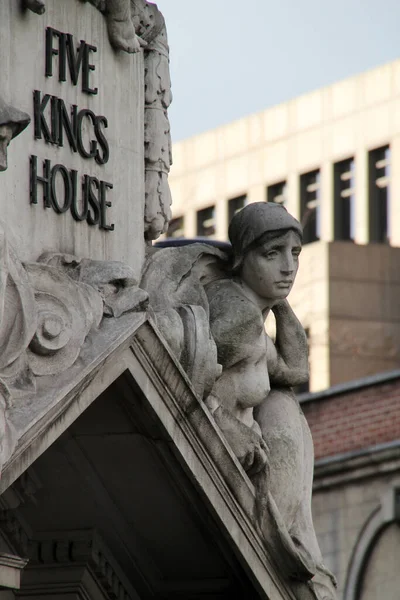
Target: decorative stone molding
x=10, y=570
x=157, y=139
x=15, y=531
x=77, y=547
x=47, y=310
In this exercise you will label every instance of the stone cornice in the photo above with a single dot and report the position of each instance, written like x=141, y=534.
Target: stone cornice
x=10, y=570
x=82, y=547
x=352, y=466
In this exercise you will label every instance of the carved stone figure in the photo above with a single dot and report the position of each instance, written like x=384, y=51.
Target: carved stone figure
x=150, y=26
x=252, y=400
x=12, y=122
x=121, y=30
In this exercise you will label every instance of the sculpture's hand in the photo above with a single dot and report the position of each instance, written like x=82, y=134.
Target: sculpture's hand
x=248, y=446
x=281, y=305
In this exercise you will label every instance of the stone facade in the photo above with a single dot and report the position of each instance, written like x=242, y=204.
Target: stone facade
x=151, y=445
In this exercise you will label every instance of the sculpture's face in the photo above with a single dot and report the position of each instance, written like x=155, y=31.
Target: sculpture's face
x=270, y=269
x=6, y=132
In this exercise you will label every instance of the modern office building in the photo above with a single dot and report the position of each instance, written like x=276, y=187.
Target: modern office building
x=332, y=157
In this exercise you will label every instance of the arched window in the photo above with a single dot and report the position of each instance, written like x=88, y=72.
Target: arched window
x=373, y=571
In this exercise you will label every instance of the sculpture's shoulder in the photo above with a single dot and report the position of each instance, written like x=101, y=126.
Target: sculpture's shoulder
x=226, y=296
x=233, y=317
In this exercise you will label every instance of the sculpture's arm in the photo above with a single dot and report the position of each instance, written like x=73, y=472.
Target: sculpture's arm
x=235, y=326
x=288, y=357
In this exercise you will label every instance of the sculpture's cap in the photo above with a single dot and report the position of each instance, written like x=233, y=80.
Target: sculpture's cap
x=256, y=219
x=12, y=116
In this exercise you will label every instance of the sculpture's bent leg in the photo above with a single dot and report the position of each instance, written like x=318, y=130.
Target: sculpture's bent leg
x=289, y=485
x=281, y=425
x=121, y=30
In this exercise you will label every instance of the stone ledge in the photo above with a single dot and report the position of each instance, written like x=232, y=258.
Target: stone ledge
x=351, y=466
x=10, y=570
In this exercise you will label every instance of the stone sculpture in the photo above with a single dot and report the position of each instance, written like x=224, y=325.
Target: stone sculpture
x=133, y=24
x=12, y=122
x=150, y=26
x=252, y=400
x=121, y=30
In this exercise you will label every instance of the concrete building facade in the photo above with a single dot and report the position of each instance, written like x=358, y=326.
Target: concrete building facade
x=333, y=158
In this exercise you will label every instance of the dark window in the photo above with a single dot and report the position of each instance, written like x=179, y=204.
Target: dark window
x=379, y=188
x=277, y=193
x=206, y=222
x=343, y=194
x=235, y=205
x=175, y=228
x=309, y=206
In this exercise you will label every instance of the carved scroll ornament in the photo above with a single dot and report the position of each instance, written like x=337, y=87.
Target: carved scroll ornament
x=47, y=310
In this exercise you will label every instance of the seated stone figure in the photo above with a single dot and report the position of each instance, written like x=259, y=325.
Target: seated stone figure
x=252, y=400
x=255, y=388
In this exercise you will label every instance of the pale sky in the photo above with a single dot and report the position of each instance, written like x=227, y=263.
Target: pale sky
x=230, y=58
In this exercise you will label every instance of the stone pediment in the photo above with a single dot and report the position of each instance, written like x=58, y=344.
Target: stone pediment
x=131, y=349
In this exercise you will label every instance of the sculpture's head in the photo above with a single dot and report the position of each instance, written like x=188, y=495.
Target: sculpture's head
x=12, y=122
x=266, y=243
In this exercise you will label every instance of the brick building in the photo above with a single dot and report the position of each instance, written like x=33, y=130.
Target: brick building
x=356, y=502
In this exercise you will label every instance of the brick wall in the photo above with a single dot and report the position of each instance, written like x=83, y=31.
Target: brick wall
x=353, y=420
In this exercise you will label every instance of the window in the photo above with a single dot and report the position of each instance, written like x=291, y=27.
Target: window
x=277, y=193
x=175, y=228
x=379, y=180
x=235, y=205
x=343, y=195
x=206, y=222
x=309, y=206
